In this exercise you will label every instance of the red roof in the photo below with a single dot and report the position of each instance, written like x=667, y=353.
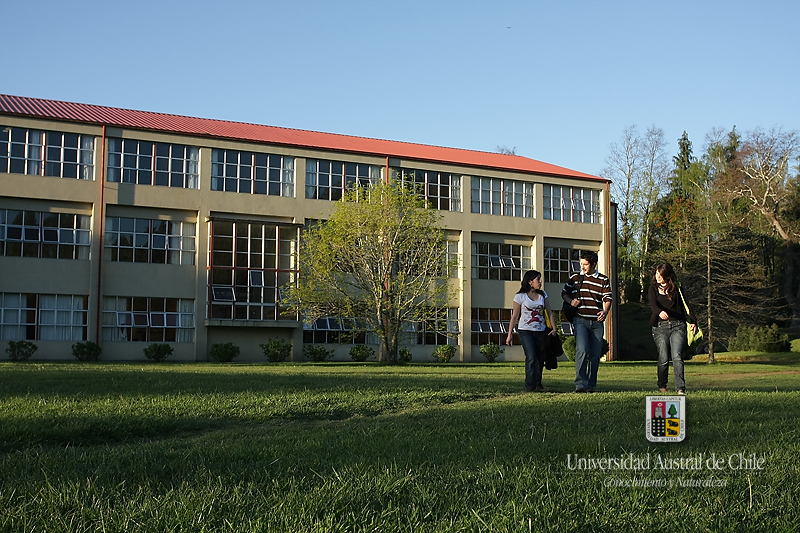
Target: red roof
x=204, y=127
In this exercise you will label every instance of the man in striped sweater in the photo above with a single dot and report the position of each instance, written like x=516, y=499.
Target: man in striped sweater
x=590, y=293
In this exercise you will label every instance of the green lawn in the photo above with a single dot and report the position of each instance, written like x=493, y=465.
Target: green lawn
x=365, y=447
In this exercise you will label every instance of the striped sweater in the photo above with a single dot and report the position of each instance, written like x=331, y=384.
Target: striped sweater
x=595, y=289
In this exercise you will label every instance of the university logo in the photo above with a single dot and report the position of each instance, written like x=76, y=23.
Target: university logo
x=665, y=418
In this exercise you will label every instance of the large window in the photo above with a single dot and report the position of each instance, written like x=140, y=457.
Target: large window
x=332, y=330
x=560, y=264
x=440, y=189
x=38, y=234
x=46, y=153
x=44, y=317
x=507, y=262
x=571, y=204
x=146, y=319
x=491, y=325
x=251, y=173
x=496, y=196
x=327, y=180
x=441, y=328
x=141, y=240
x=250, y=262
x=153, y=163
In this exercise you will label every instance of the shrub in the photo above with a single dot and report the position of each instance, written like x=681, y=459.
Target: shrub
x=20, y=350
x=404, y=355
x=568, y=344
x=158, y=351
x=444, y=353
x=224, y=352
x=86, y=351
x=491, y=351
x=317, y=353
x=361, y=352
x=759, y=339
x=277, y=350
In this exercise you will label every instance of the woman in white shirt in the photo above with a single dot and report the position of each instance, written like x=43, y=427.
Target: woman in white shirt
x=530, y=305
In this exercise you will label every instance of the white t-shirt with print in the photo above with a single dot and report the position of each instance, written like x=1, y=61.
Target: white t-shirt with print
x=531, y=316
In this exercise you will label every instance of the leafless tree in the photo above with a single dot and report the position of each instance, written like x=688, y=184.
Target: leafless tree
x=638, y=167
x=770, y=164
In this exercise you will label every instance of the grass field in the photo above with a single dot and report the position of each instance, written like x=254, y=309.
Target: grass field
x=365, y=447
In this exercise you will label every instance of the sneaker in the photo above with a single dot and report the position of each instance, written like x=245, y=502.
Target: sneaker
x=580, y=389
x=590, y=389
x=539, y=387
x=681, y=392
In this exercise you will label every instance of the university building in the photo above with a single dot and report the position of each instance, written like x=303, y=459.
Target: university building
x=128, y=228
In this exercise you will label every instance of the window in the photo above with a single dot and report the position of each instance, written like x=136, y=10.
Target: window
x=571, y=204
x=331, y=330
x=440, y=189
x=507, y=262
x=45, y=317
x=251, y=173
x=441, y=328
x=249, y=263
x=491, y=325
x=39, y=153
x=152, y=163
x=49, y=235
x=327, y=180
x=560, y=264
x=146, y=319
x=453, y=259
x=141, y=240
x=496, y=196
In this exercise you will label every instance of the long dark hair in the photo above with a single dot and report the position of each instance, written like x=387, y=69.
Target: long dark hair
x=668, y=273
x=529, y=276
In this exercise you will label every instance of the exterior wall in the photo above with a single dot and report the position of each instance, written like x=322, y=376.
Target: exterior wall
x=97, y=278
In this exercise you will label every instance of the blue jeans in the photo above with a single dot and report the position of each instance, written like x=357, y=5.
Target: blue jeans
x=588, y=348
x=670, y=339
x=533, y=346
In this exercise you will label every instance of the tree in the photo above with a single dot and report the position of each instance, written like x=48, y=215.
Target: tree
x=724, y=254
x=505, y=150
x=377, y=263
x=638, y=169
x=768, y=183
x=677, y=214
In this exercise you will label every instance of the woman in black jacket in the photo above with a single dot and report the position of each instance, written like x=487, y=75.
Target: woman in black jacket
x=668, y=321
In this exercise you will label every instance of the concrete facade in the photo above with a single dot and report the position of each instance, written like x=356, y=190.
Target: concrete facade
x=181, y=291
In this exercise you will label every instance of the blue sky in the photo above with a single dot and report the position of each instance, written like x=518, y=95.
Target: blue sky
x=558, y=80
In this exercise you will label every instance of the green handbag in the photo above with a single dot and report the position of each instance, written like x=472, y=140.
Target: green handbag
x=691, y=338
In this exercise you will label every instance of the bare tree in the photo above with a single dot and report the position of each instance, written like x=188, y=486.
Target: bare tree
x=622, y=166
x=766, y=180
x=505, y=150
x=638, y=167
x=655, y=170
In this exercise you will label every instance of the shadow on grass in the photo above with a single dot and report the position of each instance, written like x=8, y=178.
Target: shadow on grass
x=79, y=405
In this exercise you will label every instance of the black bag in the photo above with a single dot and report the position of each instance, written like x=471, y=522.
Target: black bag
x=566, y=308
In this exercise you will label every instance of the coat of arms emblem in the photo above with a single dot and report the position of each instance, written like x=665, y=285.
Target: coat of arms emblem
x=665, y=418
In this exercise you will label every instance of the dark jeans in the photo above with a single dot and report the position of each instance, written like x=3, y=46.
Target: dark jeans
x=670, y=339
x=533, y=346
x=588, y=350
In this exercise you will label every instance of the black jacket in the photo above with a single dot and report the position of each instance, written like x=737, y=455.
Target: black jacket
x=552, y=349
